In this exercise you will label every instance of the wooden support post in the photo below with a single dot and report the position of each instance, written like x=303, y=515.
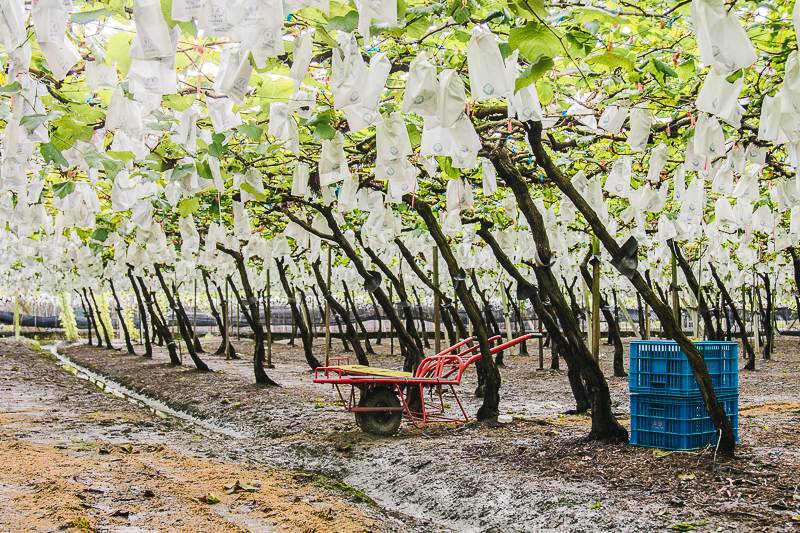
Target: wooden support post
x=194, y=314
x=541, y=347
x=268, y=321
x=16, y=315
x=437, y=326
x=596, y=300
x=505, y=315
x=588, y=307
x=391, y=326
x=628, y=318
x=141, y=331
x=676, y=309
x=754, y=314
x=328, y=313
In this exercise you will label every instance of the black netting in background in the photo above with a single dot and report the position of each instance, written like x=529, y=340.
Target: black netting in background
x=281, y=319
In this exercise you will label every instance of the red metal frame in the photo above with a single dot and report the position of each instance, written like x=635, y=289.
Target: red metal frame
x=441, y=371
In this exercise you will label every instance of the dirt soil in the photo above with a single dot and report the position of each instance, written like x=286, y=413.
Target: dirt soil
x=76, y=459
x=535, y=474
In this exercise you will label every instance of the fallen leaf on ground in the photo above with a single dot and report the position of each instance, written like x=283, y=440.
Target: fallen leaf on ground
x=208, y=498
x=237, y=486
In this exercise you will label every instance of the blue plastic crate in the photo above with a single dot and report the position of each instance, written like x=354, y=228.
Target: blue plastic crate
x=677, y=422
x=661, y=368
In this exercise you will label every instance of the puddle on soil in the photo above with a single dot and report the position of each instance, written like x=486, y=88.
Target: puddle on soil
x=156, y=407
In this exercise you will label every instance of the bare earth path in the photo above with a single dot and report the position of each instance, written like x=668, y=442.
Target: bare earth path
x=76, y=459
x=536, y=474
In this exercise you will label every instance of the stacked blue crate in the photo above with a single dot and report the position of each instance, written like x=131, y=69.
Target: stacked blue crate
x=667, y=410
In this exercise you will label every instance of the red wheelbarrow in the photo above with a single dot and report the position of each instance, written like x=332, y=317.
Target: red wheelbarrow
x=383, y=402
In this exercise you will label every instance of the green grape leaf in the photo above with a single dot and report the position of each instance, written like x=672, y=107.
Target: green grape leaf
x=95, y=159
x=611, y=60
x=13, y=88
x=51, y=154
x=535, y=40
x=252, y=130
x=100, y=234
x=249, y=188
x=83, y=17
x=63, y=188
x=180, y=171
x=31, y=122
x=187, y=206
x=347, y=23
x=534, y=71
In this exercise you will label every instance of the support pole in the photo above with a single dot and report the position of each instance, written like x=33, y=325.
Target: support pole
x=596, y=300
x=588, y=306
x=541, y=345
x=676, y=310
x=391, y=328
x=628, y=318
x=268, y=321
x=16, y=315
x=754, y=314
x=505, y=315
x=437, y=326
x=141, y=331
x=328, y=313
x=698, y=331
x=194, y=313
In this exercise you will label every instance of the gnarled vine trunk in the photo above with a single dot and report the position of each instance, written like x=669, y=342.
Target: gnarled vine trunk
x=121, y=319
x=182, y=323
x=305, y=335
x=727, y=441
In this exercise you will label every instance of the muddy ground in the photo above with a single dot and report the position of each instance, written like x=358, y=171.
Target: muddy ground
x=77, y=459
x=536, y=474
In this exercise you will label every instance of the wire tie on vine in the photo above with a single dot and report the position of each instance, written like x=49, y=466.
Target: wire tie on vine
x=509, y=125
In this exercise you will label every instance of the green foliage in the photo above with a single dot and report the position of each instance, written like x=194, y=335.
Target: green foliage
x=63, y=188
x=12, y=88
x=117, y=51
x=51, y=154
x=534, y=71
x=83, y=17
x=187, y=206
x=100, y=234
x=534, y=41
x=253, y=131
x=611, y=61
x=346, y=23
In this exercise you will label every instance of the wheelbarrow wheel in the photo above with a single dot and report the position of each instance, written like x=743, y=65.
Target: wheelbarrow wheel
x=379, y=422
